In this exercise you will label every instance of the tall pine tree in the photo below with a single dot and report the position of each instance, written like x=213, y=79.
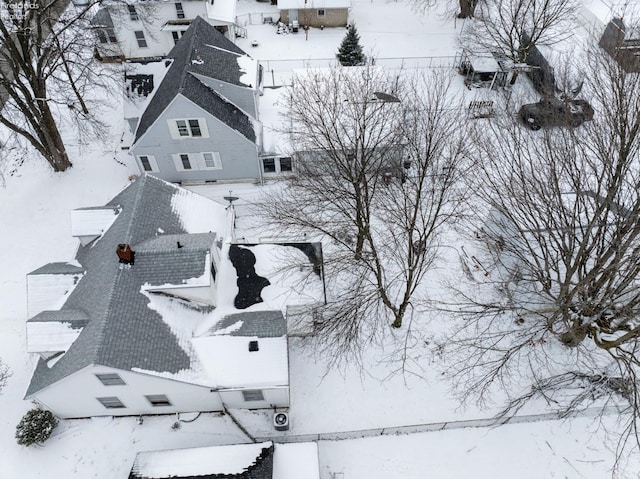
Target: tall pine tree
x=350, y=51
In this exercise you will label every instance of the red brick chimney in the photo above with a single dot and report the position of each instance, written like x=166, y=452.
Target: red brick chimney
x=125, y=253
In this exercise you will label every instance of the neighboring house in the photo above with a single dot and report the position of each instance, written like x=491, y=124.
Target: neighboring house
x=615, y=24
x=623, y=44
x=264, y=460
x=150, y=29
x=202, y=123
x=315, y=13
x=148, y=318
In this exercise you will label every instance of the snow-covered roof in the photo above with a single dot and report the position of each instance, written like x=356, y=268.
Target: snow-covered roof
x=485, y=63
x=267, y=367
x=92, y=221
x=134, y=102
x=205, y=462
x=50, y=285
x=312, y=4
x=54, y=331
x=296, y=461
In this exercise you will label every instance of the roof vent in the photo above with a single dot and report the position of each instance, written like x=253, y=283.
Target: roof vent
x=253, y=346
x=125, y=253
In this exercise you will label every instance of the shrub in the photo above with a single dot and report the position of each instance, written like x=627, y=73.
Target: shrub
x=35, y=427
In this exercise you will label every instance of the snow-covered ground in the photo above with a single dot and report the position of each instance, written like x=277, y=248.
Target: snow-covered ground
x=35, y=207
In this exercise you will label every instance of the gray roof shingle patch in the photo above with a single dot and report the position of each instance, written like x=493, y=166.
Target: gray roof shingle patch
x=189, y=55
x=261, y=324
x=204, y=50
x=110, y=293
x=160, y=261
x=167, y=243
x=174, y=268
x=77, y=319
x=58, y=268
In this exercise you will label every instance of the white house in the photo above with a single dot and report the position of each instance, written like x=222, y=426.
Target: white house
x=152, y=316
x=143, y=29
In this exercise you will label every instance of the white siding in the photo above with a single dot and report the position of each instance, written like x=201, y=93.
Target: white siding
x=155, y=15
x=75, y=396
x=273, y=397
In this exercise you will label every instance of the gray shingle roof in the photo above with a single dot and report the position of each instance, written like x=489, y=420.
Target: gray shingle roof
x=261, y=324
x=78, y=319
x=201, y=50
x=102, y=19
x=58, y=268
x=110, y=292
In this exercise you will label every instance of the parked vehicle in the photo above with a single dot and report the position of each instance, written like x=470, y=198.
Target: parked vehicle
x=553, y=111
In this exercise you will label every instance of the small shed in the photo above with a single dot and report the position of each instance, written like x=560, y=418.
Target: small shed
x=484, y=69
x=315, y=13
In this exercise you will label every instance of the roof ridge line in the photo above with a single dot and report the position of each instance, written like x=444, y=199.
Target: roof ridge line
x=115, y=278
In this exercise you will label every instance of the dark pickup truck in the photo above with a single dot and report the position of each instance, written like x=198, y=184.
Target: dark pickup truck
x=555, y=112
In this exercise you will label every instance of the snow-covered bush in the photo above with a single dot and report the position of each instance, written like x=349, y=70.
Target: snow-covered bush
x=35, y=427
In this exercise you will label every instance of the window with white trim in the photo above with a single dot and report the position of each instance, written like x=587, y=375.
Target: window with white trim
x=269, y=165
x=177, y=36
x=158, y=400
x=179, y=10
x=142, y=41
x=286, y=166
x=133, y=14
x=321, y=12
x=211, y=161
x=111, y=379
x=111, y=402
x=185, y=128
x=149, y=163
x=253, y=395
x=275, y=165
x=185, y=162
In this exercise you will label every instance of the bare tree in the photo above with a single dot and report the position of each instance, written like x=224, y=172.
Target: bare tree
x=515, y=27
x=378, y=157
x=557, y=316
x=45, y=66
x=5, y=374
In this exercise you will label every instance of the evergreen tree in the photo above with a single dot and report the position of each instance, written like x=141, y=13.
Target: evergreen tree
x=350, y=51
